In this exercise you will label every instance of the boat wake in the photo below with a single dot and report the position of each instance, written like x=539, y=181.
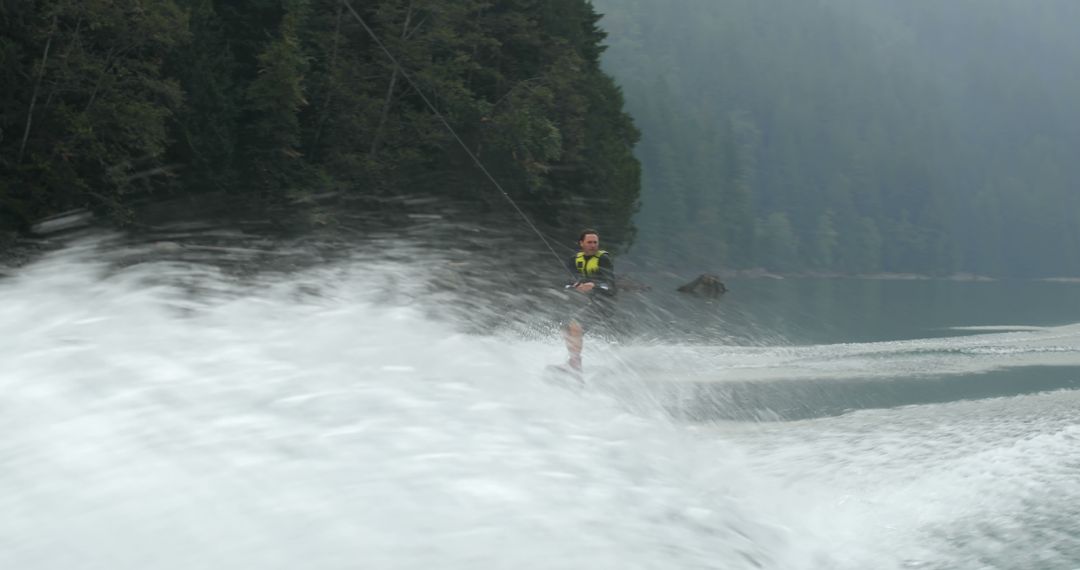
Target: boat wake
x=173, y=414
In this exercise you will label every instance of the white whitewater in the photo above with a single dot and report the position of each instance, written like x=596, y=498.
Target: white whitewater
x=164, y=415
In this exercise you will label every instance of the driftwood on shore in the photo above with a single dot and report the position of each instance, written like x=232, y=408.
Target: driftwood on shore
x=706, y=285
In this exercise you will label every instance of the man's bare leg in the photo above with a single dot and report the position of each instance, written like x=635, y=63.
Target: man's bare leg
x=574, y=336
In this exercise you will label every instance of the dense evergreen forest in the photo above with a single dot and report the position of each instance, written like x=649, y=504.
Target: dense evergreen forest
x=104, y=102
x=855, y=136
x=846, y=136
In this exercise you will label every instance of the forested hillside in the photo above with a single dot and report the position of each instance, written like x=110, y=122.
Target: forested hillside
x=106, y=101
x=855, y=136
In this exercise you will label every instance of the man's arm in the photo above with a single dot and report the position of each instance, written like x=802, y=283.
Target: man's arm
x=571, y=266
x=605, y=278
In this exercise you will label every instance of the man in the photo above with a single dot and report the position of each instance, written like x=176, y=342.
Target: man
x=595, y=278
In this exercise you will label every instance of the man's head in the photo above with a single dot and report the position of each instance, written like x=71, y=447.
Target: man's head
x=589, y=242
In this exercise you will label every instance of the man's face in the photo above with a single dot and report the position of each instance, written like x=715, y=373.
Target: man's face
x=590, y=244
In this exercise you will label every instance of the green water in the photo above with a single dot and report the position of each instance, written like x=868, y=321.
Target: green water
x=825, y=311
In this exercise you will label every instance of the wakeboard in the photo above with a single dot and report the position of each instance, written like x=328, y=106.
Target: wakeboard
x=563, y=376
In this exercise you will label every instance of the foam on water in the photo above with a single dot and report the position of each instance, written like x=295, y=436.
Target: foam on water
x=162, y=415
x=1041, y=346
x=972, y=484
x=166, y=415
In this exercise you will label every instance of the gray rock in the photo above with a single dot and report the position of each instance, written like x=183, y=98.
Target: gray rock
x=706, y=285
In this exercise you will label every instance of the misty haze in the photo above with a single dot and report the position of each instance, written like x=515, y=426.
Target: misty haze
x=643, y=284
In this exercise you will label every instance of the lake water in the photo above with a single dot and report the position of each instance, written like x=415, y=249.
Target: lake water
x=242, y=403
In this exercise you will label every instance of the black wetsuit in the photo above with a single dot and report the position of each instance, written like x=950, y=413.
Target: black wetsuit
x=598, y=310
x=604, y=278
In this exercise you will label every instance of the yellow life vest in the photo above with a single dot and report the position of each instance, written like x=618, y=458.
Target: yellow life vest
x=588, y=268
